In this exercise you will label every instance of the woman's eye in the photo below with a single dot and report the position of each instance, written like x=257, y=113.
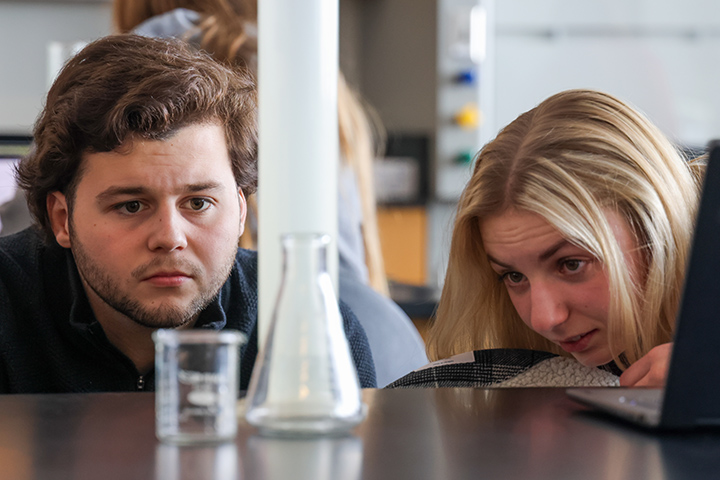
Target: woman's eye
x=572, y=265
x=514, y=277
x=199, y=204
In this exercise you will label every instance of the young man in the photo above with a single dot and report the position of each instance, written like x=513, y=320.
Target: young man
x=143, y=157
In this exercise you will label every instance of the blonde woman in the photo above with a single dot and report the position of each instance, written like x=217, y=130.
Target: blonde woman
x=572, y=237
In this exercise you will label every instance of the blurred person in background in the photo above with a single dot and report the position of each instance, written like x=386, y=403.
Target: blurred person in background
x=228, y=30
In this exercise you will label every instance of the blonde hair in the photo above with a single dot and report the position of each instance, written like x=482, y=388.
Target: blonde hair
x=573, y=157
x=360, y=132
x=223, y=29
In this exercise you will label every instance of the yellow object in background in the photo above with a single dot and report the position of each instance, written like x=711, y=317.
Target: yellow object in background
x=468, y=117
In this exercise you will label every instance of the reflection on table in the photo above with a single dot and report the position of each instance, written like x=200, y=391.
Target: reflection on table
x=413, y=434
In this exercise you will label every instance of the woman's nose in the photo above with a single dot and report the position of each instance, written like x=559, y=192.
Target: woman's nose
x=548, y=307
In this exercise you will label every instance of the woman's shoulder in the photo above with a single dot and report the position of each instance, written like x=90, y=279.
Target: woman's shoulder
x=506, y=367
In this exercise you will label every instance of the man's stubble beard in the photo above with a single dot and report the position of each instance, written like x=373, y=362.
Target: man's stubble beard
x=111, y=293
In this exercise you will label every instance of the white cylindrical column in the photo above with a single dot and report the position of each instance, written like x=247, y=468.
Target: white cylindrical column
x=298, y=163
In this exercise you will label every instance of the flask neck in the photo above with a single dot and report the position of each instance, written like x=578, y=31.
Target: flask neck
x=305, y=254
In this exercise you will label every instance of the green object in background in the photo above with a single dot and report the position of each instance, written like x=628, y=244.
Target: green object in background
x=464, y=158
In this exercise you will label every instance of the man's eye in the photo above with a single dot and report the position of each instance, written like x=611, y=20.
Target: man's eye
x=199, y=204
x=130, y=207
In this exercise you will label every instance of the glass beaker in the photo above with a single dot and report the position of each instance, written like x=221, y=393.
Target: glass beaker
x=196, y=385
x=305, y=382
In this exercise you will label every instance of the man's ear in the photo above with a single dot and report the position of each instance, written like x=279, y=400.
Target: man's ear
x=57, y=209
x=243, y=210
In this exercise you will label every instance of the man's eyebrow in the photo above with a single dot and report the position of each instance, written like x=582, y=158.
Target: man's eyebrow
x=129, y=191
x=200, y=187
x=117, y=191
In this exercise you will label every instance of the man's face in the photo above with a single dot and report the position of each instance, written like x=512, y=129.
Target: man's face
x=154, y=232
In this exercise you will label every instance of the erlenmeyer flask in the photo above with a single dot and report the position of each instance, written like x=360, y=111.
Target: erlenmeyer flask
x=305, y=382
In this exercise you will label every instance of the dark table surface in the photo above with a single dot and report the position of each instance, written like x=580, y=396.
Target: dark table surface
x=408, y=434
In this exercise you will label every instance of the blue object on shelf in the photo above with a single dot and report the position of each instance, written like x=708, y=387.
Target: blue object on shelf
x=467, y=77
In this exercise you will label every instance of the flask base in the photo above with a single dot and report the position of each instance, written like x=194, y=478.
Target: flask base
x=306, y=427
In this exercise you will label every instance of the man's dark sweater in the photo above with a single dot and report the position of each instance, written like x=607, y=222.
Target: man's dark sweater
x=50, y=340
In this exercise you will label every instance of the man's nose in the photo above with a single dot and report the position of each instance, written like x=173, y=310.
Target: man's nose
x=549, y=307
x=167, y=230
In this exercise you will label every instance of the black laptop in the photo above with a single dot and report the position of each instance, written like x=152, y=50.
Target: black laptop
x=691, y=397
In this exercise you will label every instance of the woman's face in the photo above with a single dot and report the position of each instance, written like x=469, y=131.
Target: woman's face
x=558, y=289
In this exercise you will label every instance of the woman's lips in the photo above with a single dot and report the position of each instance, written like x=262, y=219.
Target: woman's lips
x=577, y=343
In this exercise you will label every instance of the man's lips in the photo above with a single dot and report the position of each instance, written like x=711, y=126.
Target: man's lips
x=167, y=279
x=167, y=272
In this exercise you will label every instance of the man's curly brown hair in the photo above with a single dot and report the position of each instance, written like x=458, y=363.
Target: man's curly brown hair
x=127, y=86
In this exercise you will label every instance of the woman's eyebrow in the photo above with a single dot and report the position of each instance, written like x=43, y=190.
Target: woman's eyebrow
x=497, y=262
x=543, y=256
x=552, y=250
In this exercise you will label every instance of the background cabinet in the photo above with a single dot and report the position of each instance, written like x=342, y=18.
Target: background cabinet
x=403, y=234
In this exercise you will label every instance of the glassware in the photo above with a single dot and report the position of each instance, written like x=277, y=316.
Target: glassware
x=196, y=385
x=305, y=382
